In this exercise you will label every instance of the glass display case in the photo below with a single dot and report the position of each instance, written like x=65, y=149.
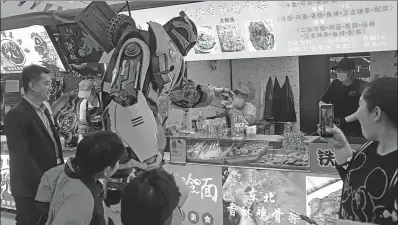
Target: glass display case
x=263, y=151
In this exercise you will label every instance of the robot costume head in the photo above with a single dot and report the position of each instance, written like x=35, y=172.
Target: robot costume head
x=183, y=32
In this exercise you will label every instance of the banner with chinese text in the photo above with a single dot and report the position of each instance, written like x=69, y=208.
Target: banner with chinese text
x=252, y=196
x=254, y=29
x=204, y=202
x=7, y=201
x=323, y=159
x=25, y=46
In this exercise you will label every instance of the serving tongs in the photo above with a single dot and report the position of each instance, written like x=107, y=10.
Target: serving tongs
x=305, y=218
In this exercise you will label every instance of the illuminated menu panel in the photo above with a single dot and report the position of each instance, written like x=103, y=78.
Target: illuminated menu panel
x=254, y=29
x=26, y=46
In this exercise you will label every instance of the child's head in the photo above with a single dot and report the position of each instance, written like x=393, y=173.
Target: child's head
x=150, y=198
x=98, y=154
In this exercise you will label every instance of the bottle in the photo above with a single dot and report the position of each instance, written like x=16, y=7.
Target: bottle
x=238, y=127
x=200, y=122
x=187, y=123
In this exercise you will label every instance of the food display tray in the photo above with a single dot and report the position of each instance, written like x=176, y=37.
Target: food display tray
x=247, y=158
x=211, y=161
x=284, y=167
x=280, y=166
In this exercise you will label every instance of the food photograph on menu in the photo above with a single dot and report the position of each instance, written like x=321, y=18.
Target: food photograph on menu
x=231, y=37
x=261, y=35
x=323, y=199
x=207, y=40
x=261, y=197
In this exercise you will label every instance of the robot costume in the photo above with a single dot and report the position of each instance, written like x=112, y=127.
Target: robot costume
x=145, y=64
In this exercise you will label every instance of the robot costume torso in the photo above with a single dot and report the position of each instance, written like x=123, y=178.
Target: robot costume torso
x=145, y=64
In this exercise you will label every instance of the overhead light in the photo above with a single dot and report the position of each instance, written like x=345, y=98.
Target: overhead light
x=36, y=3
x=21, y=3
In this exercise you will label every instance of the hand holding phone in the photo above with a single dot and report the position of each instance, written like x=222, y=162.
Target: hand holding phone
x=326, y=116
x=337, y=138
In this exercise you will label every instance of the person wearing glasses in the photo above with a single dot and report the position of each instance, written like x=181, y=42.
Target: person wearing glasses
x=344, y=93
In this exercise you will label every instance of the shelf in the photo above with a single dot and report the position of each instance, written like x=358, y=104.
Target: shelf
x=259, y=137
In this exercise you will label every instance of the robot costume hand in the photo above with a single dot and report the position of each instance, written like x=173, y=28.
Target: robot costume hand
x=197, y=96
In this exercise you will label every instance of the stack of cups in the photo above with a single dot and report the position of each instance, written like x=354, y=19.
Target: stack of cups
x=251, y=131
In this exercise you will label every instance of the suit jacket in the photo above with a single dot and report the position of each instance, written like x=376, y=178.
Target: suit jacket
x=31, y=149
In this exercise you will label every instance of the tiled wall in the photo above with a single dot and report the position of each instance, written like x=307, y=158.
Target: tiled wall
x=258, y=71
x=382, y=64
x=218, y=73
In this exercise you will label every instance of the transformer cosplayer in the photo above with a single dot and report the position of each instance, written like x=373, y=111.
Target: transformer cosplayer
x=145, y=64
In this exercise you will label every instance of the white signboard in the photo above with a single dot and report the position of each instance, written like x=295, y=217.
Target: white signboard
x=254, y=29
x=26, y=46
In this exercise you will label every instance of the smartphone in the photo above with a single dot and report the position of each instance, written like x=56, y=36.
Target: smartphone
x=326, y=116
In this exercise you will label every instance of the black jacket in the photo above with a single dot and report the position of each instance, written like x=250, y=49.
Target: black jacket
x=277, y=101
x=31, y=148
x=287, y=103
x=268, y=109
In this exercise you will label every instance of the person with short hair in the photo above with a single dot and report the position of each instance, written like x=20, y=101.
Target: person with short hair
x=343, y=93
x=150, y=199
x=370, y=174
x=72, y=193
x=33, y=142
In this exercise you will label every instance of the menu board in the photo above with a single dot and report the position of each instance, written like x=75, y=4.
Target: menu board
x=254, y=29
x=323, y=198
x=25, y=46
x=323, y=159
x=203, y=184
x=272, y=197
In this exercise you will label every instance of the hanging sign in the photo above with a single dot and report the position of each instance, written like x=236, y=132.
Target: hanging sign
x=178, y=151
x=25, y=46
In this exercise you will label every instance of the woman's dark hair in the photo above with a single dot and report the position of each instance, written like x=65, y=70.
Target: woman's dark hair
x=32, y=72
x=149, y=198
x=383, y=93
x=98, y=150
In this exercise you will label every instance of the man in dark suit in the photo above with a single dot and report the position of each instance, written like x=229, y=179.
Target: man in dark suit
x=33, y=142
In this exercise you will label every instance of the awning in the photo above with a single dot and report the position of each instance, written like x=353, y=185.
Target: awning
x=54, y=17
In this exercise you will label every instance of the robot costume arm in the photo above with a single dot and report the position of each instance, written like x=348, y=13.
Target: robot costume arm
x=190, y=95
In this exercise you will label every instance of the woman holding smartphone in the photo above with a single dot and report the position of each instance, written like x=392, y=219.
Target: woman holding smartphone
x=370, y=175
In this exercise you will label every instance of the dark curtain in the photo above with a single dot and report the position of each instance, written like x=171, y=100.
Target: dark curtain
x=287, y=99
x=268, y=109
